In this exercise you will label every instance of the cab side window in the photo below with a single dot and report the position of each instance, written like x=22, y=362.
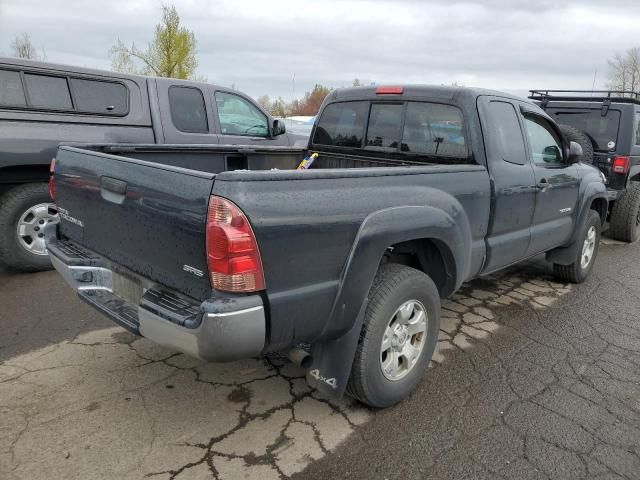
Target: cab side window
x=238, y=116
x=188, y=112
x=505, y=132
x=545, y=144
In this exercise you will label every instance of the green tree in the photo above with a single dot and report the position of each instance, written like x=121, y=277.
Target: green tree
x=357, y=82
x=171, y=53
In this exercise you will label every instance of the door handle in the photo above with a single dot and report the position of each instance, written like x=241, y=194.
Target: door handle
x=542, y=184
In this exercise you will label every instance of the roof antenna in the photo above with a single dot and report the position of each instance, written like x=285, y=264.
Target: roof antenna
x=593, y=85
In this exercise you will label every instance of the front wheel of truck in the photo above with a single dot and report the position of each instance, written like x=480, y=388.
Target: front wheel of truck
x=398, y=337
x=578, y=271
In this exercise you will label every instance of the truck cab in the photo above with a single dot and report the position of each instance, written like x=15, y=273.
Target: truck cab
x=607, y=125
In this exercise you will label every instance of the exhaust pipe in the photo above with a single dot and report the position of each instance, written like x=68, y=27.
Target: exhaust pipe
x=300, y=358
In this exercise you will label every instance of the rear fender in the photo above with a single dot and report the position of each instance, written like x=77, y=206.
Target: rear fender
x=333, y=353
x=634, y=175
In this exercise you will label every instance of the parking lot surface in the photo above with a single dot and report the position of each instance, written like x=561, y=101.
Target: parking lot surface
x=531, y=379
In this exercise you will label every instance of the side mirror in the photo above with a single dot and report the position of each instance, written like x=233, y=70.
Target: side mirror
x=552, y=154
x=278, y=128
x=575, y=153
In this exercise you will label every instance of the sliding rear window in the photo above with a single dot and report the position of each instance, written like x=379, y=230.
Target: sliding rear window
x=400, y=129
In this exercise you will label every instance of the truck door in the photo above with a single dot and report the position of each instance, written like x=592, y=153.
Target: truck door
x=513, y=183
x=239, y=121
x=557, y=185
x=186, y=116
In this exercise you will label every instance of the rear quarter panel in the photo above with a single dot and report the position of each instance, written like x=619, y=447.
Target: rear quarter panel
x=306, y=224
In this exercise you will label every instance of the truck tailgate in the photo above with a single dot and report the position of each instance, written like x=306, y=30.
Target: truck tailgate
x=147, y=216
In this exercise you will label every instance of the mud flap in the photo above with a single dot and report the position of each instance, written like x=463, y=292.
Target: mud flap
x=563, y=255
x=332, y=360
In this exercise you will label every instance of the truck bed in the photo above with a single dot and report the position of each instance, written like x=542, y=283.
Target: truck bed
x=145, y=208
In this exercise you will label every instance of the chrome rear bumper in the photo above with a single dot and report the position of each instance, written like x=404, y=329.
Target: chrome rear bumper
x=218, y=329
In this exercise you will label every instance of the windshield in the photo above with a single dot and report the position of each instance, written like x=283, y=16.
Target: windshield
x=601, y=130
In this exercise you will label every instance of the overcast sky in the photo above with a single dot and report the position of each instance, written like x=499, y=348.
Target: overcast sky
x=259, y=45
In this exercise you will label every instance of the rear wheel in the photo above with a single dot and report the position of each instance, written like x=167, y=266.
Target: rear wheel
x=24, y=212
x=398, y=337
x=624, y=224
x=576, y=135
x=578, y=271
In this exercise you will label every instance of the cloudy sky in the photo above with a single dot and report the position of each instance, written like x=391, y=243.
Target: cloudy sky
x=259, y=45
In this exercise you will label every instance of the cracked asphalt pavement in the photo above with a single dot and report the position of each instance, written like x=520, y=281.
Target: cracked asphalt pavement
x=531, y=379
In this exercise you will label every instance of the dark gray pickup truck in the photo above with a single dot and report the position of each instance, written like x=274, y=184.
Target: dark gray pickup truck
x=45, y=104
x=226, y=253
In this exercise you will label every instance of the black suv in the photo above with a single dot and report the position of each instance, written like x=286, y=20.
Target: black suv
x=607, y=126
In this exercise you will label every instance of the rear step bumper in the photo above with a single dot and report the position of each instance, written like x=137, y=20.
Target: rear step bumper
x=218, y=330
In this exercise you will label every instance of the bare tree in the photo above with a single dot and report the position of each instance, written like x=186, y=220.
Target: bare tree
x=264, y=101
x=624, y=70
x=23, y=47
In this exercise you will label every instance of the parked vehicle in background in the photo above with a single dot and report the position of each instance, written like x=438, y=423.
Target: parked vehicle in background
x=415, y=190
x=44, y=104
x=300, y=125
x=607, y=125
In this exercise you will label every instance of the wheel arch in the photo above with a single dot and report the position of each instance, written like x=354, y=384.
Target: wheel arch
x=447, y=235
x=600, y=205
x=429, y=255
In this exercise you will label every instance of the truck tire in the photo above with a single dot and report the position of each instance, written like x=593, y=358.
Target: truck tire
x=576, y=135
x=24, y=211
x=578, y=271
x=398, y=337
x=624, y=223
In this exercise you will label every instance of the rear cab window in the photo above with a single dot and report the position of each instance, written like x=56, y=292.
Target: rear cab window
x=342, y=125
x=424, y=132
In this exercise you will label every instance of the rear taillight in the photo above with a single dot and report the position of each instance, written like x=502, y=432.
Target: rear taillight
x=232, y=251
x=620, y=164
x=52, y=189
